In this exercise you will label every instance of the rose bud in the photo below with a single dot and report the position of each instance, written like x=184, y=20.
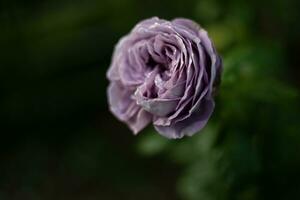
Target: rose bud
x=164, y=73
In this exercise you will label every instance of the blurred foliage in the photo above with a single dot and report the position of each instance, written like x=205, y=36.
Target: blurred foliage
x=59, y=140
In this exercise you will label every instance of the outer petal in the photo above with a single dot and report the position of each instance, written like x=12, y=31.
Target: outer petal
x=190, y=125
x=188, y=24
x=126, y=109
x=139, y=121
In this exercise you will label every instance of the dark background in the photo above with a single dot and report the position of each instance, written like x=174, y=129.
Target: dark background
x=59, y=141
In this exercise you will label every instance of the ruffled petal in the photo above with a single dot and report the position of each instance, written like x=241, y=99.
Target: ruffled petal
x=189, y=126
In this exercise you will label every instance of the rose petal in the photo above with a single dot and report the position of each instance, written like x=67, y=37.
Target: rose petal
x=189, y=126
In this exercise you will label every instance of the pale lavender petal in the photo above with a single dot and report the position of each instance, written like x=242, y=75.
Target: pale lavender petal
x=125, y=109
x=139, y=121
x=191, y=125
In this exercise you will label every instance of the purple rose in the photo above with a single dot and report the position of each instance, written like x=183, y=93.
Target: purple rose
x=164, y=72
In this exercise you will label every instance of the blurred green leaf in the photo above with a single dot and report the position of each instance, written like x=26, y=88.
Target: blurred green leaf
x=151, y=143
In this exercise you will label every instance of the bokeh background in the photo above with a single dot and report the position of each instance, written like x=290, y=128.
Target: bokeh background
x=59, y=141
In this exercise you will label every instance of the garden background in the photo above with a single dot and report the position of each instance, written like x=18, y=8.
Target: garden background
x=59, y=141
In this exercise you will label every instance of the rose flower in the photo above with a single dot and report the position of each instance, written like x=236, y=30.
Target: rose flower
x=165, y=73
